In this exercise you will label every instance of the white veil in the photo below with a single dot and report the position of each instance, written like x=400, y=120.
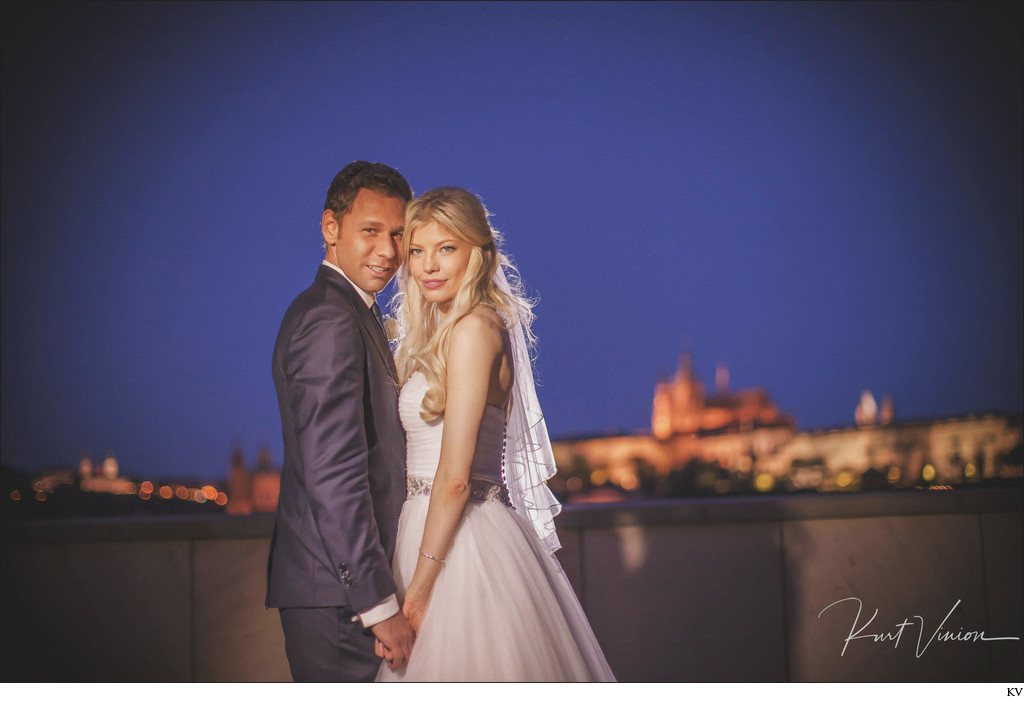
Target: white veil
x=528, y=461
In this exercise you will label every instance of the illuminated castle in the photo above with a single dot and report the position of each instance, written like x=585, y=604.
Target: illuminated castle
x=741, y=441
x=681, y=405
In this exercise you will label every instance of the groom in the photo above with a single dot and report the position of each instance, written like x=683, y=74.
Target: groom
x=343, y=480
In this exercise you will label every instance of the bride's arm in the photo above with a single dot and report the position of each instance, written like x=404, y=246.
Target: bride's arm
x=474, y=350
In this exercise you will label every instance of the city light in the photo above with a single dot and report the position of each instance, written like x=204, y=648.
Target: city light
x=93, y=480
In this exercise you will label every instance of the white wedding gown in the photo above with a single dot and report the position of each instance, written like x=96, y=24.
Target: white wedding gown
x=502, y=609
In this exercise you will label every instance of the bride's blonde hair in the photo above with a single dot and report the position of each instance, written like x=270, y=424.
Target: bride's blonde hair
x=426, y=331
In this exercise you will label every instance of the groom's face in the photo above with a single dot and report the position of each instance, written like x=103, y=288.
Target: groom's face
x=366, y=243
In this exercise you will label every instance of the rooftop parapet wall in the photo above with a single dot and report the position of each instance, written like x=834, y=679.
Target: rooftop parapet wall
x=730, y=589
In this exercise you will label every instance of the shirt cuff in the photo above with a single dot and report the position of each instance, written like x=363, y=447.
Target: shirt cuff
x=381, y=612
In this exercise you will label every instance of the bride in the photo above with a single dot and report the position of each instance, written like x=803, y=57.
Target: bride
x=474, y=562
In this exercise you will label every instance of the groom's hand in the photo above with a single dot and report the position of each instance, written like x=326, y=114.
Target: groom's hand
x=395, y=638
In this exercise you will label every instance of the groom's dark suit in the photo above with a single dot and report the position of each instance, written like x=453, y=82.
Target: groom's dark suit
x=343, y=480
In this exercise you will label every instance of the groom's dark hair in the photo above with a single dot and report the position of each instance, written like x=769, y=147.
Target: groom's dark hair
x=382, y=179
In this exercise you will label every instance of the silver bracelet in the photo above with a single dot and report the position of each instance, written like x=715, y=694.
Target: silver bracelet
x=431, y=557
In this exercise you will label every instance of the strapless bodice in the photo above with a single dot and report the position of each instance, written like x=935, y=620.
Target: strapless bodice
x=423, y=438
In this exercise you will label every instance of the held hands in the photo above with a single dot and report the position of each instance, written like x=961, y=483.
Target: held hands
x=395, y=638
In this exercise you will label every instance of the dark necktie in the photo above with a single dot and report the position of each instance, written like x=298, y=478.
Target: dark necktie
x=387, y=343
x=380, y=318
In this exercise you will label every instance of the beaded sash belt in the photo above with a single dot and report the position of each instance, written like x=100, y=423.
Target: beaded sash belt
x=479, y=490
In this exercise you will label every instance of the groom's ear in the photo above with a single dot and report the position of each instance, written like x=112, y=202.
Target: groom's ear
x=330, y=227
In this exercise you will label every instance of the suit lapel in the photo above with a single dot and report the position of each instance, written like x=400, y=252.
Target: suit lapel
x=371, y=328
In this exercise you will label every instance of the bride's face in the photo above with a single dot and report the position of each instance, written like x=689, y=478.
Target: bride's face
x=438, y=261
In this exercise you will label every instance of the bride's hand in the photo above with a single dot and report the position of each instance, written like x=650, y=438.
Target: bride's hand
x=415, y=608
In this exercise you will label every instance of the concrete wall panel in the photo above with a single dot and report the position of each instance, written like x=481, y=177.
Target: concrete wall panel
x=102, y=611
x=236, y=637
x=1003, y=538
x=676, y=604
x=902, y=567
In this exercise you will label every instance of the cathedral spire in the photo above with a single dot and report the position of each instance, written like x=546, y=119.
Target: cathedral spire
x=685, y=366
x=866, y=413
x=722, y=379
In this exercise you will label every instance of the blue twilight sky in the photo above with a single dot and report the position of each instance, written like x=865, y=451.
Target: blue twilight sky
x=827, y=197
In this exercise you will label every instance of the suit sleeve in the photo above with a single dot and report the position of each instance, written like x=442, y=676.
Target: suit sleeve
x=325, y=374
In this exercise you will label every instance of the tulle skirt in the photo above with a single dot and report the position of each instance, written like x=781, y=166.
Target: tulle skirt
x=502, y=609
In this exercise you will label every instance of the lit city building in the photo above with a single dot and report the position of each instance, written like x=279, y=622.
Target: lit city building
x=741, y=442
x=256, y=491
x=105, y=479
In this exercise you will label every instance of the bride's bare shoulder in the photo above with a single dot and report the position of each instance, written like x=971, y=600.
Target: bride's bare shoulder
x=480, y=327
